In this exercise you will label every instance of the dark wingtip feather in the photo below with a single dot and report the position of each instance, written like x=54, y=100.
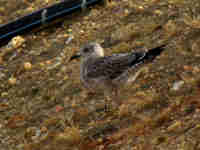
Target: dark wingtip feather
x=154, y=52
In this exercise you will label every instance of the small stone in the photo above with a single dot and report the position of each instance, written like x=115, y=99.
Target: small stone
x=174, y=126
x=70, y=136
x=81, y=31
x=177, y=85
x=66, y=77
x=20, y=146
x=170, y=28
x=197, y=126
x=43, y=129
x=187, y=68
x=69, y=39
x=17, y=41
x=141, y=7
x=42, y=64
x=34, y=36
x=3, y=94
x=65, y=35
x=27, y=66
x=63, y=69
x=158, y=12
x=48, y=62
x=195, y=46
x=73, y=104
x=123, y=110
x=192, y=21
x=47, y=1
x=126, y=11
x=37, y=132
x=1, y=60
x=100, y=140
x=59, y=108
x=2, y=75
x=12, y=81
x=69, y=30
x=53, y=65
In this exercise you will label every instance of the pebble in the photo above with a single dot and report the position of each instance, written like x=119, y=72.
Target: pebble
x=69, y=30
x=12, y=80
x=69, y=39
x=174, y=126
x=2, y=75
x=141, y=7
x=43, y=129
x=17, y=41
x=37, y=133
x=59, y=108
x=158, y=12
x=70, y=135
x=177, y=85
x=170, y=28
x=3, y=94
x=27, y=66
x=123, y=110
x=193, y=22
x=55, y=65
x=20, y=146
x=1, y=60
x=126, y=11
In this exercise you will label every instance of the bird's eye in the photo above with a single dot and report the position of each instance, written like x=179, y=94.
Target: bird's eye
x=86, y=50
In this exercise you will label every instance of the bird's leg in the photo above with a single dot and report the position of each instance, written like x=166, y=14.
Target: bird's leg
x=111, y=98
x=115, y=92
x=107, y=102
x=108, y=98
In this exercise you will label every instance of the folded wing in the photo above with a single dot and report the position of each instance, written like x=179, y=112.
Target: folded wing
x=113, y=66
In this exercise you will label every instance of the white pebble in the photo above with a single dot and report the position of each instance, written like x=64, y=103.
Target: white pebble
x=177, y=85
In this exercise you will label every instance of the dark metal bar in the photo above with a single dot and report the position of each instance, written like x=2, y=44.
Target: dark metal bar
x=42, y=16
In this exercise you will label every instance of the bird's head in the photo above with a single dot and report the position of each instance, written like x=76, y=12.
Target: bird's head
x=90, y=50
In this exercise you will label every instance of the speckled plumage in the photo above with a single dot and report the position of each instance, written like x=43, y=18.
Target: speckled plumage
x=99, y=71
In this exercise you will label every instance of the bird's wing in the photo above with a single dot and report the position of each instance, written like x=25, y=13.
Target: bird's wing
x=113, y=66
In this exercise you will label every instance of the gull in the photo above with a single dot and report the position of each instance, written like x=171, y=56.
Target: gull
x=98, y=71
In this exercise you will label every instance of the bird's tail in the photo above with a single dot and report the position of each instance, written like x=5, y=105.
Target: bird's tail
x=153, y=53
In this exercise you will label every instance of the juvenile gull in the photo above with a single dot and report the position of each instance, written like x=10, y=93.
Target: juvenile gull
x=109, y=72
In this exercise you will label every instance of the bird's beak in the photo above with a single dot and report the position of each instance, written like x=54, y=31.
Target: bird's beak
x=78, y=55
